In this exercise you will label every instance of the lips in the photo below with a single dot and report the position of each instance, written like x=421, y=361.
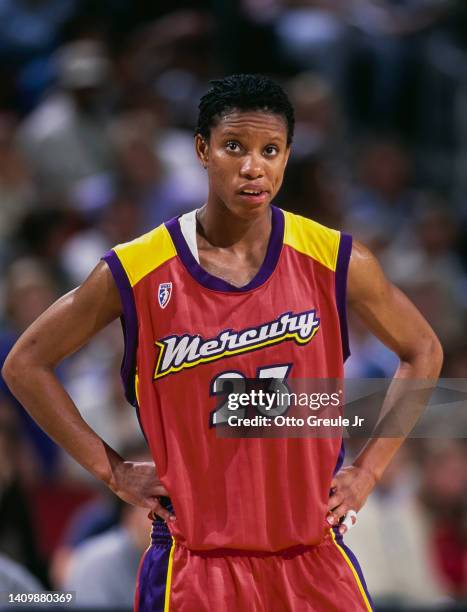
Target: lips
x=252, y=189
x=251, y=192
x=254, y=197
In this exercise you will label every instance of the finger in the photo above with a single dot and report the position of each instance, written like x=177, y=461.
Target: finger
x=335, y=500
x=337, y=514
x=160, y=491
x=349, y=521
x=159, y=509
x=162, y=512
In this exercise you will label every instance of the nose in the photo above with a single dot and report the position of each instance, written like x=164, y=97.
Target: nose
x=252, y=167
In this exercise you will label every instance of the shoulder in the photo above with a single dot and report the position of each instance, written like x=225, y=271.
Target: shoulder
x=143, y=254
x=313, y=239
x=365, y=273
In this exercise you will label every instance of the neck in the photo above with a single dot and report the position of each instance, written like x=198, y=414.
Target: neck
x=221, y=228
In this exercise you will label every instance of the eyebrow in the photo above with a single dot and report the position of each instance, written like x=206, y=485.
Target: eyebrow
x=275, y=139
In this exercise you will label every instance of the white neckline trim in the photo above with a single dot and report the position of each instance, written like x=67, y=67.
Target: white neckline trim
x=188, y=228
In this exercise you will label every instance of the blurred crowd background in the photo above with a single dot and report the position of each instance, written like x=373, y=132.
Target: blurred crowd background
x=98, y=102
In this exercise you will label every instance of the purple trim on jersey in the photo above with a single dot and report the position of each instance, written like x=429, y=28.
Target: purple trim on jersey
x=340, y=458
x=218, y=284
x=343, y=258
x=152, y=579
x=129, y=324
x=342, y=266
x=355, y=563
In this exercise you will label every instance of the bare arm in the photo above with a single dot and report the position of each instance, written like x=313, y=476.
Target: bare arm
x=29, y=372
x=392, y=317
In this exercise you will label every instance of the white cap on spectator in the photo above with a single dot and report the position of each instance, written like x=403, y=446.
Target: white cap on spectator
x=82, y=64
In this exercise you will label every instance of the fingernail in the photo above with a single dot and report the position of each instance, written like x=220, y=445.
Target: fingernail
x=173, y=518
x=330, y=520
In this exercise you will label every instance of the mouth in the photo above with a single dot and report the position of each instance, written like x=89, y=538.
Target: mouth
x=254, y=196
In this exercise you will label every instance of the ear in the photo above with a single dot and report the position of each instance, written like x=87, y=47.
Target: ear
x=202, y=149
x=287, y=155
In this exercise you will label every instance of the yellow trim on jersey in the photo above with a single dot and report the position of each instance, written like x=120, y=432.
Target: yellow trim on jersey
x=168, y=582
x=137, y=388
x=354, y=571
x=146, y=253
x=312, y=239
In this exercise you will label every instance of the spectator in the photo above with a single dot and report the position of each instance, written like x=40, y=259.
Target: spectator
x=386, y=56
x=65, y=139
x=381, y=202
x=426, y=267
x=29, y=291
x=313, y=36
x=391, y=541
x=103, y=570
x=159, y=167
x=17, y=535
x=29, y=33
x=443, y=492
x=14, y=578
x=16, y=188
x=317, y=117
x=120, y=221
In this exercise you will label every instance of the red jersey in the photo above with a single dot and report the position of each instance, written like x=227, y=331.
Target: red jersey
x=186, y=330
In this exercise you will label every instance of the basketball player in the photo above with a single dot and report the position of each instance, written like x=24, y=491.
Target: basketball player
x=237, y=289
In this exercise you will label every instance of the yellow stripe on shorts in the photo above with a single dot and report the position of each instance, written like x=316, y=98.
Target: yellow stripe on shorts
x=354, y=571
x=168, y=582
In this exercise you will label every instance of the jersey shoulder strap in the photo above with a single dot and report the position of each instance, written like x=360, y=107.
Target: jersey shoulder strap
x=312, y=239
x=146, y=253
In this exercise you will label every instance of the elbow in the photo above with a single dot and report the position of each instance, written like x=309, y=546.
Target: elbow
x=434, y=356
x=12, y=368
x=9, y=370
x=425, y=357
x=437, y=354
x=21, y=366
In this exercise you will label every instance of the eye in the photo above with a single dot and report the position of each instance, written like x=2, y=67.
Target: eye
x=233, y=146
x=271, y=150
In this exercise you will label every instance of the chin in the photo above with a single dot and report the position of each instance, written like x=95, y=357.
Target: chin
x=249, y=211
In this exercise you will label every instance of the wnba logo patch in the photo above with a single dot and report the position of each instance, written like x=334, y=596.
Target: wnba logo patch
x=164, y=294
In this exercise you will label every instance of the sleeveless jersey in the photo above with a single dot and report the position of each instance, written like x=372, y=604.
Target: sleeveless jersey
x=185, y=329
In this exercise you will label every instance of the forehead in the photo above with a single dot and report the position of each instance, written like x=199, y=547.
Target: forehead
x=257, y=124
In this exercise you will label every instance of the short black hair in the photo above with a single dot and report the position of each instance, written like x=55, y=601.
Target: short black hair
x=243, y=92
